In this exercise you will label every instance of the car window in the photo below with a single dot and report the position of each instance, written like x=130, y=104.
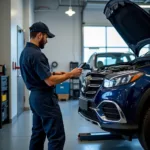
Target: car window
x=147, y=53
x=111, y=59
x=90, y=59
x=102, y=61
x=145, y=50
x=132, y=57
x=124, y=59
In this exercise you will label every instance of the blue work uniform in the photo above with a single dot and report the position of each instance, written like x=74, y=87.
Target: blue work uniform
x=47, y=117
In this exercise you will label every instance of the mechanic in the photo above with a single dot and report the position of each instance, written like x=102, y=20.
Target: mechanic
x=35, y=70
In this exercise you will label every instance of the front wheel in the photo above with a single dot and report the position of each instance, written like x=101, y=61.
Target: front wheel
x=144, y=133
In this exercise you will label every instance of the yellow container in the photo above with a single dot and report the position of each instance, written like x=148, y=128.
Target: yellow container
x=4, y=97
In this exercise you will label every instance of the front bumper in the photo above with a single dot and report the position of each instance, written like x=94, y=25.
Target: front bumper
x=85, y=111
x=123, y=129
x=89, y=110
x=107, y=111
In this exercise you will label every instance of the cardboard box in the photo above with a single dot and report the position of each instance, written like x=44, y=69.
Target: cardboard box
x=63, y=96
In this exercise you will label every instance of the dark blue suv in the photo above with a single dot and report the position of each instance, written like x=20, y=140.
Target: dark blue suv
x=117, y=97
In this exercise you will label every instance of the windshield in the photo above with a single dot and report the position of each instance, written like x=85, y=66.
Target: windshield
x=147, y=53
x=113, y=58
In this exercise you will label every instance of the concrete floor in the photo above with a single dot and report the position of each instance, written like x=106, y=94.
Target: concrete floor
x=17, y=136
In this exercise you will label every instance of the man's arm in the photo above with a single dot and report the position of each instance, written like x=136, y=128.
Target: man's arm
x=59, y=73
x=56, y=79
x=42, y=69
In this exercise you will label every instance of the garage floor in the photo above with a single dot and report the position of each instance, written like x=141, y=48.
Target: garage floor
x=17, y=136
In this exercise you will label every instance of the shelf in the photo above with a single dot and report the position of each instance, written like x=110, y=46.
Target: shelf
x=74, y=82
x=4, y=100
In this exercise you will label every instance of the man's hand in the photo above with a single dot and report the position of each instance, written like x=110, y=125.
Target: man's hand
x=76, y=72
x=60, y=77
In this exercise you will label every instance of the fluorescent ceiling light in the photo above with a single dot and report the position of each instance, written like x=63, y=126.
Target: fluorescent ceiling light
x=70, y=12
x=144, y=6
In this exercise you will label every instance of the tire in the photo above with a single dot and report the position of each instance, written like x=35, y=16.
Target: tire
x=144, y=133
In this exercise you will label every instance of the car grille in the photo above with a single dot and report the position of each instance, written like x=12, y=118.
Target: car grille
x=91, y=84
x=110, y=111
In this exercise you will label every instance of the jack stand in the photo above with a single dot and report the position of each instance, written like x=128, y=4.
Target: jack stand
x=99, y=136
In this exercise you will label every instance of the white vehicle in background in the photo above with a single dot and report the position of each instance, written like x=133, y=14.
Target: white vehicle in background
x=99, y=60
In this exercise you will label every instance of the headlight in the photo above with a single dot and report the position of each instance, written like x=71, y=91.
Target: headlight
x=121, y=80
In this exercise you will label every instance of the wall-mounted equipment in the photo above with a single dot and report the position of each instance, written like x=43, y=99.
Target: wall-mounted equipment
x=54, y=64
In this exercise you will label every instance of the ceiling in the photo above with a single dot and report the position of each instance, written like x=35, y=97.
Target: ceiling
x=90, y=4
x=79, y=2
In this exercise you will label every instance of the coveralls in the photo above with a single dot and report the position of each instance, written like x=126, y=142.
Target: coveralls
x=47, y=117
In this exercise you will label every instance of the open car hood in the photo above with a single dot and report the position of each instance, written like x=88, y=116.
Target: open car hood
x=131, y=22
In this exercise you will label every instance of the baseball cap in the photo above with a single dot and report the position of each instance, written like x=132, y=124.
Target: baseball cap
x=41, y=27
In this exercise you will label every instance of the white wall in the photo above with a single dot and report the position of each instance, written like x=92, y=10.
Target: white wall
x=66, y=46
x=16, y=19
x=95, y=16
x=21, y=15
x=31, y=12
x=27, y=22
x=12, y=16
x=28, y=15
x=5, y=33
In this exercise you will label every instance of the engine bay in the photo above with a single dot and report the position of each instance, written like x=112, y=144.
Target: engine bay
x=94, y=79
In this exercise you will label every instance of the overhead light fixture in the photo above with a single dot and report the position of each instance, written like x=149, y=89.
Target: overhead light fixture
x=70, y=12
x=144, y=6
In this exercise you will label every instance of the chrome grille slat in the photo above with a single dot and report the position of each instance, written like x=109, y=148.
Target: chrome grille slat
x=91, y=92
x=96, y=78
x=93, y=83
